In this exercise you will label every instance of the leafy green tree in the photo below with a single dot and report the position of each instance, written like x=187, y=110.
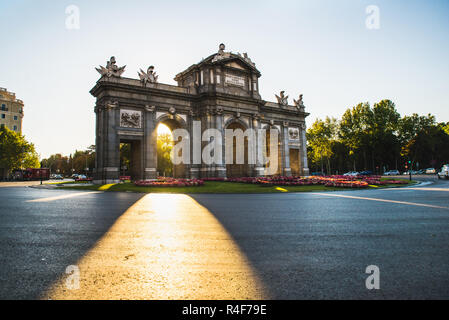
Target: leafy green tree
x=354, y=131
x=164, y=148
x=321, y=136
x=16, y=152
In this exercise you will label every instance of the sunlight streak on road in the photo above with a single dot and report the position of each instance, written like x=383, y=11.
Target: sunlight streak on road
x=165, y=246
x=64, y=196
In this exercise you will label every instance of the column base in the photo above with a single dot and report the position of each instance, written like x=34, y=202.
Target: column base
x=287, y=172
x=150, y=173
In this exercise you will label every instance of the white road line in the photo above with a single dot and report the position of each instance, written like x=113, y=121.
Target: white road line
x=430, y=189
x=381, y=200
x=65, y=196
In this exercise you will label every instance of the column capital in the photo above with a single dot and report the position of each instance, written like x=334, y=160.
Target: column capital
x=149, y=108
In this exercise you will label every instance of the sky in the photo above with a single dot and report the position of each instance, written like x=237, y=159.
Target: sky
x=321, y=48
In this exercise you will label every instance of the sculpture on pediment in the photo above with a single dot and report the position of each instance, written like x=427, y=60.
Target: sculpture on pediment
x=282, y=99
x=221, y=53
x=149, y=76
x=299, y=103
x=111, y=70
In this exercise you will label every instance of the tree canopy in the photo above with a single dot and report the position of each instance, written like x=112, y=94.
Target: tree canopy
x=376, y=138
x=16, y=152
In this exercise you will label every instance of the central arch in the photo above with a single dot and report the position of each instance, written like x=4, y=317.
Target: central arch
x=171, y=123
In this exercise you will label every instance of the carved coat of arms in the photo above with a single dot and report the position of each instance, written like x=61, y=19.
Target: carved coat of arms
x=130, y=119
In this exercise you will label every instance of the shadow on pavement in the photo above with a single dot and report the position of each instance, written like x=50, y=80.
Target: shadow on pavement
x=58, y=234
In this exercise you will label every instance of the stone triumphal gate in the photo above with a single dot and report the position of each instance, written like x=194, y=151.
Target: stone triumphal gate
x=221, y=91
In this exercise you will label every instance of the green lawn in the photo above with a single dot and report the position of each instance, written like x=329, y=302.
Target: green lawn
x=211, y=187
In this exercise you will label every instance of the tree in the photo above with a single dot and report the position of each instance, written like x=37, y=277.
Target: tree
x=321, y=136
x=16, y=152
x=354, y=131
x=164, y=148
x=76, y=163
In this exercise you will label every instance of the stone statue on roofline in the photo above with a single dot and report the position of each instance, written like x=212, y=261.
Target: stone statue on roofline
x=111, y=70
x=221, y=53
x=299, y=103
x=282, y=98
x=149, y=76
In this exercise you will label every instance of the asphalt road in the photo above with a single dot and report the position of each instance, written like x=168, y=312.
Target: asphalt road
x=268, y=246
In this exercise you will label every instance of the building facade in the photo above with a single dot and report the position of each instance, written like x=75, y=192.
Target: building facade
x=11, y=111
x=220, y=92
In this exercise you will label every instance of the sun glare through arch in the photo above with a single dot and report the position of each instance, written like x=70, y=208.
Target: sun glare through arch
x=163, y=129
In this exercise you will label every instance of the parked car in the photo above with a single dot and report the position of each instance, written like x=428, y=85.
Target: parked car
x=82, y=177
x=410, y=172
x=366, y=173
x=58, y=177
x=351, y=174
x=431, y=171
x=422, y=171
x=444, y=172
x=392, y=173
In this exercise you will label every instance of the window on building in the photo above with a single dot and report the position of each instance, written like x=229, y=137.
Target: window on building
x=15, y=118
x=2, y=126
x=3, y=107
x=15, y=128
x=3, y=116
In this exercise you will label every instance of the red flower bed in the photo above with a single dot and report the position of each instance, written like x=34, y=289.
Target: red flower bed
x=170, y=182
x=328, y=181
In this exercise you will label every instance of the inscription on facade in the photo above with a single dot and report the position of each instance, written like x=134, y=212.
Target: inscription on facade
x=130, y=119
x=235, y=80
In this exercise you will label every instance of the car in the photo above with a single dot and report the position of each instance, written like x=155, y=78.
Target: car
x=431, y=171
x=366, y=173
x=444, y=172
x=422, y=171
x=392, y=173
x=410, y=172
x=351, y=174
x=58, y=177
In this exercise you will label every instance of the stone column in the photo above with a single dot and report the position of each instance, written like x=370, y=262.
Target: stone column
x=150, y=144
x=98, y=171
x=220, y=169
x=111, y=150
x=303, y=151
x=287, y=170
x=195, y=134
x=259, y=145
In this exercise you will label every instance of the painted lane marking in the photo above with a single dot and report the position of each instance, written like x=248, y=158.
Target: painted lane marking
x=65, y=196
x=383, y=200
x=430, y=189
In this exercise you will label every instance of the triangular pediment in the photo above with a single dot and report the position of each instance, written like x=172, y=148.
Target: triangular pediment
x=237, y=65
